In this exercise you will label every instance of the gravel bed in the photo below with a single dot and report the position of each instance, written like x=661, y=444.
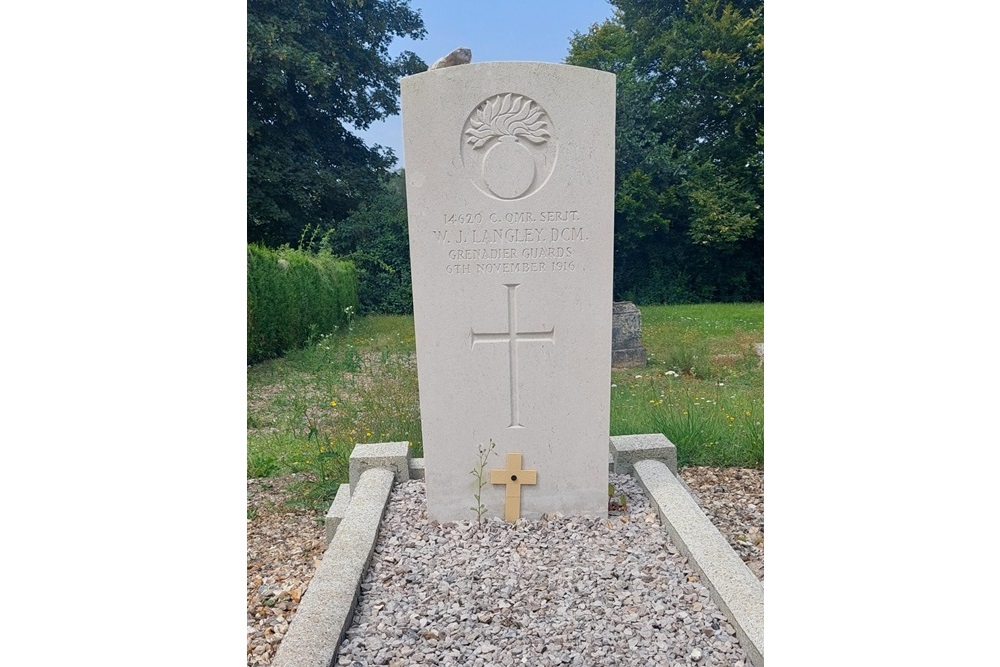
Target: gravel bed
x=531, y=593
x=557, y=591
x=733, y=500
x=284, y=546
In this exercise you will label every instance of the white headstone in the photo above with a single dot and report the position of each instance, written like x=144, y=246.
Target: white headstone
x=510, y=191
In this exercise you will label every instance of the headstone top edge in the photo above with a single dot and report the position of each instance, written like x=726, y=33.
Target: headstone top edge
x=468, y=69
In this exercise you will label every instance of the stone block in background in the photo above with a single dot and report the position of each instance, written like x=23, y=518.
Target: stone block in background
x=627, y=350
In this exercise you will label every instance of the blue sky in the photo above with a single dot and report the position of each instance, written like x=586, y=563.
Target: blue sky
x=511, y=30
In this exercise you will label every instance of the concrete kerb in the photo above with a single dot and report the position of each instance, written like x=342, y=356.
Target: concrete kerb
x=326, y=610
x=352, y=523
x=394, y=456
x=651, y=458
x=737, y=592
x=627, y=449
x=338, y=509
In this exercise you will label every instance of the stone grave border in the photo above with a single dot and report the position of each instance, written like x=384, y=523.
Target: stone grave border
x=326, y=610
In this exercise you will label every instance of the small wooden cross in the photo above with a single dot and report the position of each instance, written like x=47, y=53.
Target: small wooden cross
x=513, y=477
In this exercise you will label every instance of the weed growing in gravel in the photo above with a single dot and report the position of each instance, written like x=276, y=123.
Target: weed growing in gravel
x=617, y=501
x=479, y=472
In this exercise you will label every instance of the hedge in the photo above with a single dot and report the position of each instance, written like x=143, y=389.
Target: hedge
x=293, y=296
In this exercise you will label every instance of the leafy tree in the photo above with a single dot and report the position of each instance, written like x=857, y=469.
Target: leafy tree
x=690, y=138
x=315, y=68
x=376, y=238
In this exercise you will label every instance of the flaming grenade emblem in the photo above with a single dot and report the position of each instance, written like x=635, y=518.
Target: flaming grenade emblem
x=508, y=137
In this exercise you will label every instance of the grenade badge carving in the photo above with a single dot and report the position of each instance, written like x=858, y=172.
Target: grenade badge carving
x=508, y=146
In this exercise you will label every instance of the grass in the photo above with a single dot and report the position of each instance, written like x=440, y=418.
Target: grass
x=703, y=388
x=307, y=410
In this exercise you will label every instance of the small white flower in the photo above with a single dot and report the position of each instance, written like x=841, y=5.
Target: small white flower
x=612, y=384
x=638, y=377
x=722, y=384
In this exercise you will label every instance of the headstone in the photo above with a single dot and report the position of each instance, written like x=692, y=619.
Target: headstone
x=510, y=190
x=627, y=350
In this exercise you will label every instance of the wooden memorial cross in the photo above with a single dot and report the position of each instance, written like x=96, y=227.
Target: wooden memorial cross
x=513, y=477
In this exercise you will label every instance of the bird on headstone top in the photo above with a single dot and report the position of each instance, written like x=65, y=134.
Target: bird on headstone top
x=460, y=56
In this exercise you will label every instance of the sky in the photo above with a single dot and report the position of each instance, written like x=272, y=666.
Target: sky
x=518, y=30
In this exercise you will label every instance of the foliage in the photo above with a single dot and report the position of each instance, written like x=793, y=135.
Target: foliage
x=479, y=472
x=315, y=70
x=262, y=464
x=375, y=238
x=689, y=216
x=706, y=341
x=326, y=465
x=294, y=296
x=617, y=500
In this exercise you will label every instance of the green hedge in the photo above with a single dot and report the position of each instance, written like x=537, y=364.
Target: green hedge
x=293, y=296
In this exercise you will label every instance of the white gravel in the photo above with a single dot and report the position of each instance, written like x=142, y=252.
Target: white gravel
x=558, y=591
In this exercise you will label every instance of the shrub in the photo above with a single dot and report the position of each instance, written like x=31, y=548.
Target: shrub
x=294, y=296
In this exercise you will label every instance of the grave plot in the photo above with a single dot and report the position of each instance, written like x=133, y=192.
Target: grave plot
x=427, y=575
x=553, y=591
x=510, y=190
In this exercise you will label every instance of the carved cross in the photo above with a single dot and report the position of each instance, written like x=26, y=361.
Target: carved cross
x=513, y=477
x=512, y=337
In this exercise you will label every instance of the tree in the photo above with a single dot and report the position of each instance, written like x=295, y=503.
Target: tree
x=376, y=238
x=315, y=68
x=690, y=136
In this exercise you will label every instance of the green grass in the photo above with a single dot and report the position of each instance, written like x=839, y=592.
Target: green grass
x=703, y=388
x=307, y=410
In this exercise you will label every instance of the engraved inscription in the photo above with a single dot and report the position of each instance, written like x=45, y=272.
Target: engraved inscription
x=481, y=242
x=508, y=147
x=512, y=337
x=510, y=217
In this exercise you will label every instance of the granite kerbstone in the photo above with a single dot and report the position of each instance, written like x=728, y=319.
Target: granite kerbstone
x=337, y=511
x=626, y=450
x=393, y=456
x=417, y=469
x=510, y=207
x=733, y=587
x=326, y=609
